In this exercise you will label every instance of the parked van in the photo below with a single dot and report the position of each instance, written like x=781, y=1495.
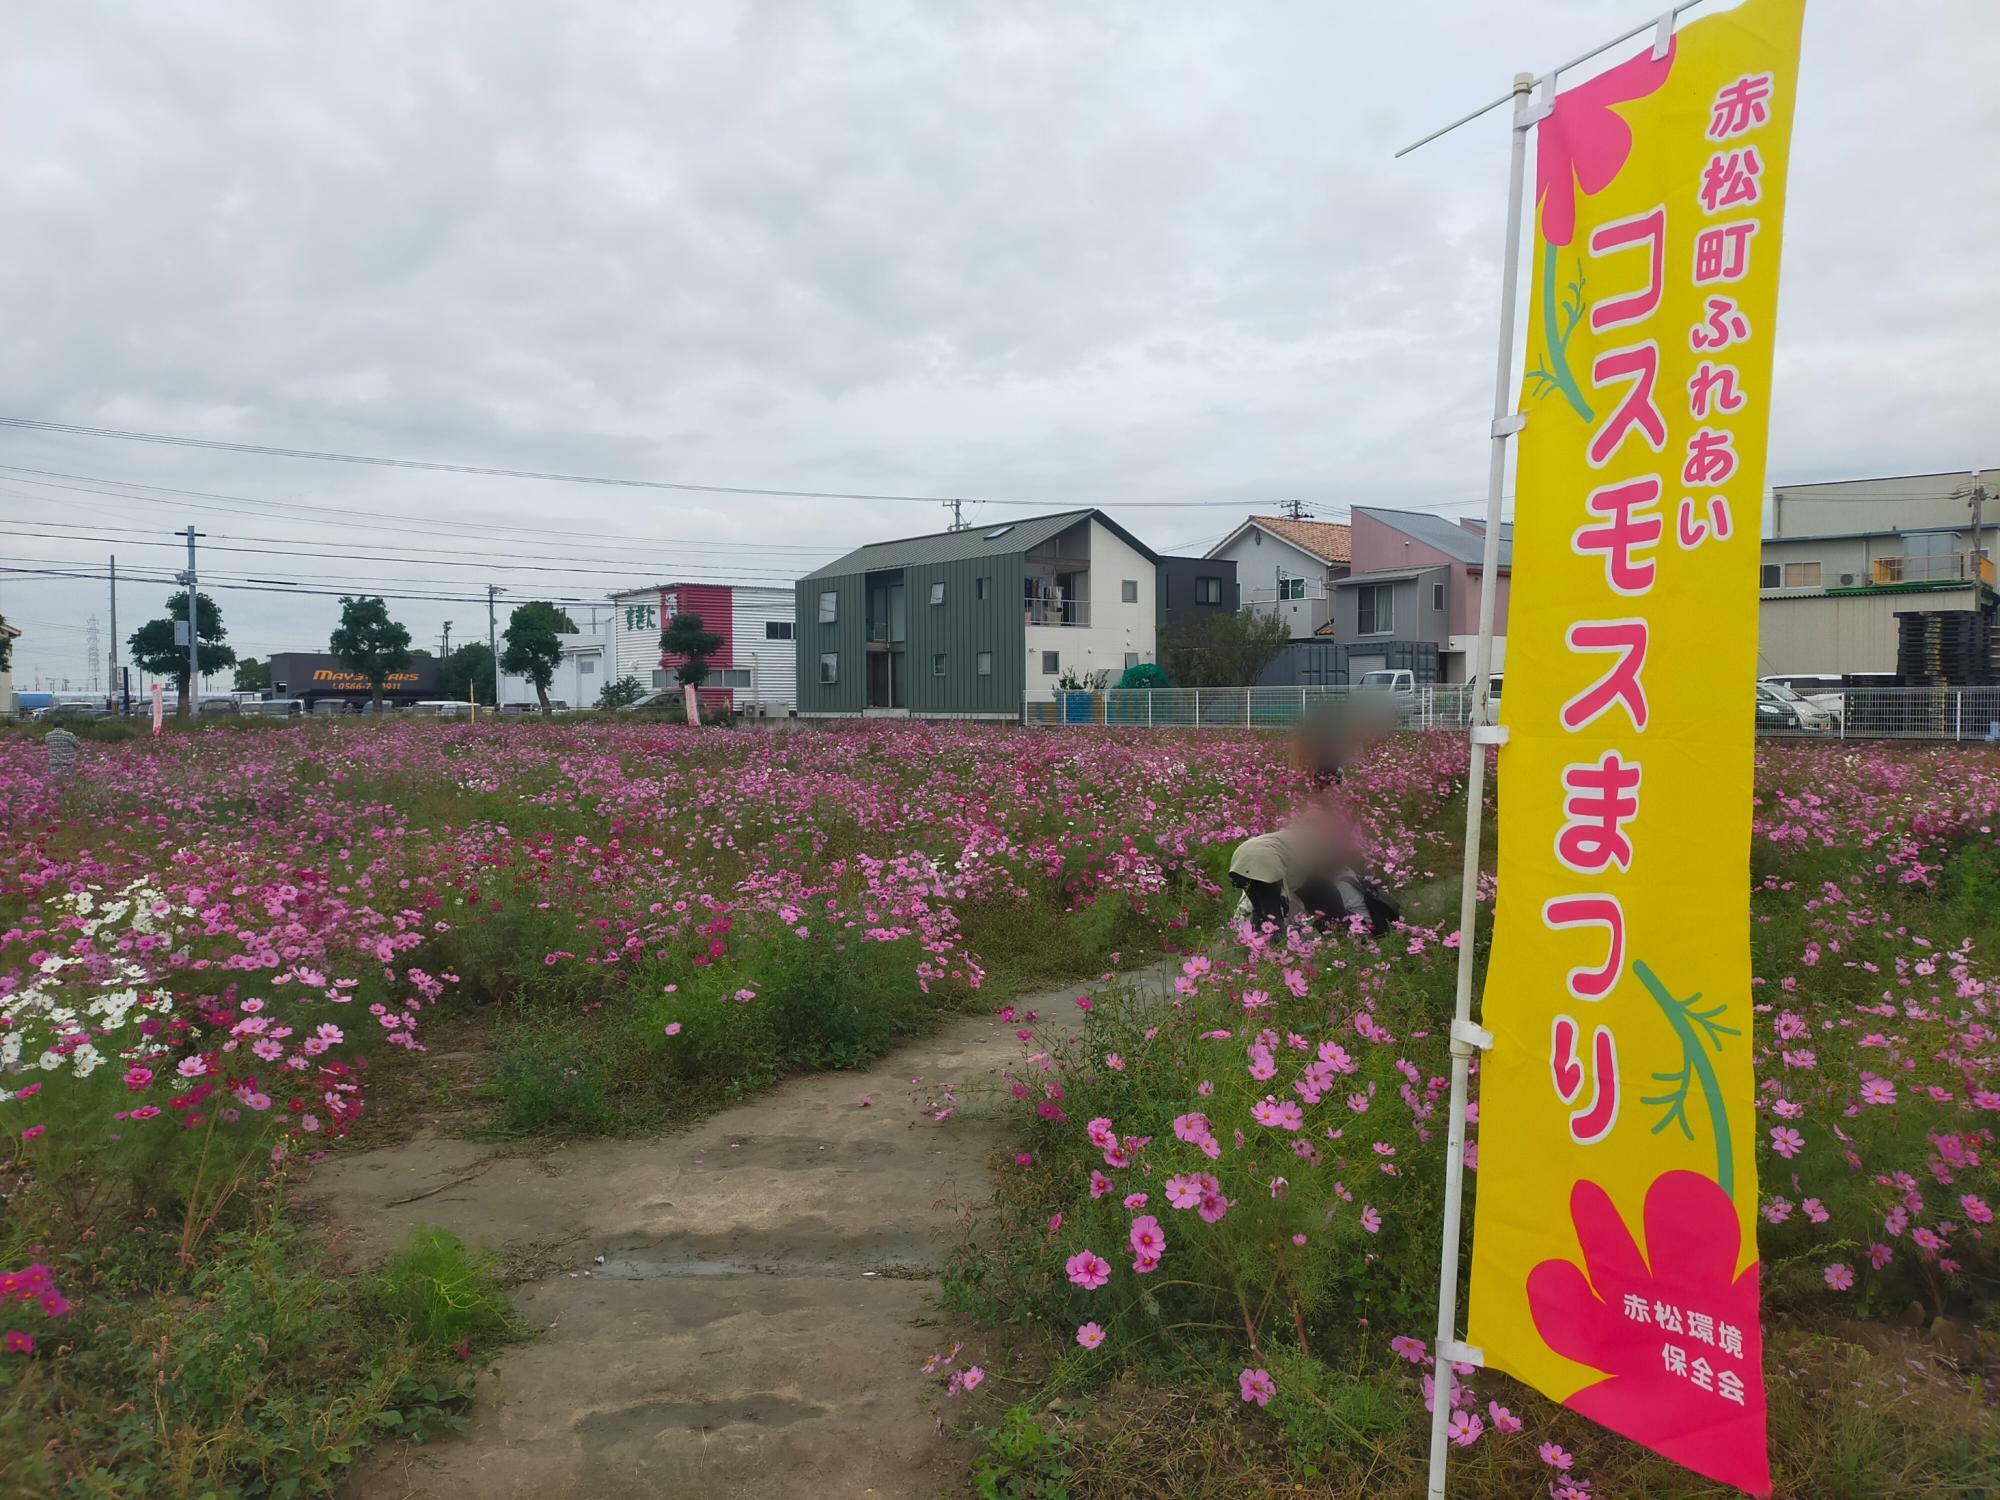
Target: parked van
x=282, y=708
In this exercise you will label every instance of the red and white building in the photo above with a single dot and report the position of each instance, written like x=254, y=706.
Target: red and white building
x=755, y=671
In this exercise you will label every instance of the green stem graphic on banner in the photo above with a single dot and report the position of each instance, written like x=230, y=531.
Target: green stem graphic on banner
x=1695, y=1068
x=1552, y=372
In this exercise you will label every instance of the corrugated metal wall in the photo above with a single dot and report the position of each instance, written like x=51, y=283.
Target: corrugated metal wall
x=846, y=638
x=958, y=630
x=776, y=665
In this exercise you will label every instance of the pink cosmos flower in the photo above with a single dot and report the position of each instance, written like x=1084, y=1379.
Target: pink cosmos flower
x=1148, y=1241
x=1879, y=1255
x=1414, y=1350
x=1839, y=1277
x=1183, y=1191
x=1464, y=1427
x=1256, y=1386
x=1976, y=1208
x=1278, y=1114
x=138, y=1078
x=1099, y=1131
x=1503, y=1419
x=1878, y=1091
x=32, y=1131
x=673, y=1028
x=1786, y=1141
x=1088, y=1270
x=1135, y=1200
x=19, y=1343
x=973, y=1375
x=1554, y=1456
x=1099, y=1184
x=1213, y=1207
x=1089, y=1335
x=1926, y=1238
x=1370, y=1220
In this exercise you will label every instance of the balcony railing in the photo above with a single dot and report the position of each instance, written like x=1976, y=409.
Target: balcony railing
x=1049, y=612
x=1943, y=567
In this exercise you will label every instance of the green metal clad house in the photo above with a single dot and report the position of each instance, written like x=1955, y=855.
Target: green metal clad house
x=968, y=624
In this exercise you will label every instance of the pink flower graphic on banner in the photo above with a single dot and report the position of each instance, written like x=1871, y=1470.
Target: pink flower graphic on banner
x=1584, y=142
x=1582, y=145
x=1673, y=1327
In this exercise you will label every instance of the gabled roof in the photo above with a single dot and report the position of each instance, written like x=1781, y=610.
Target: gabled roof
x=1456, y=542
x=1329, y=541
x=996, y=539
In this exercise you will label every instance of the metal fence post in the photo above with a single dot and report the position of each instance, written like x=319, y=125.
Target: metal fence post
x=1958, y=715
x=1197, y=708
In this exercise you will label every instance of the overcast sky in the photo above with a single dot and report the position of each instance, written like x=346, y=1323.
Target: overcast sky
x=1060, y=252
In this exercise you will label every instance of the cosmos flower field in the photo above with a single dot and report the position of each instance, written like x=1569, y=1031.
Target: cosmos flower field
x=212, y=944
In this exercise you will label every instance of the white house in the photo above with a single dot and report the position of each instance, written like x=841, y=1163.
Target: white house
x=580, y=675
x=1288, y=568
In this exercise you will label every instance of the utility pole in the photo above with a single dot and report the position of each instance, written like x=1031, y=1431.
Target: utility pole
x=445, y=649
x=1296, y=509
x=957, y=509
x=1978, y=531
x=493, y=639
x=194, y=661
x=111, y=683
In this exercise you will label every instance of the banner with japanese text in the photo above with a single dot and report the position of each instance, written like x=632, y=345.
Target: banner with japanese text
x=1614, y=1261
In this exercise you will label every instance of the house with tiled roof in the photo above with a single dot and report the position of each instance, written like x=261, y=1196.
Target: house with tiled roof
x=1288, y=567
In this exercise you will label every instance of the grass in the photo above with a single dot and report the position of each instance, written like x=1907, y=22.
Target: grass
x=264, y=1370
x=1848, y=1422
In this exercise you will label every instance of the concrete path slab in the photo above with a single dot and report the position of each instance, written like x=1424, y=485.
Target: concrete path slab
x=758, y=1322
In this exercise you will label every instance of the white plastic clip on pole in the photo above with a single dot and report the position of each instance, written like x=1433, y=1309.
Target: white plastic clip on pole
x=1475, y=795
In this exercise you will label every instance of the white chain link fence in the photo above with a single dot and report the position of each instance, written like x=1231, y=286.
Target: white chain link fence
x=1940, y=713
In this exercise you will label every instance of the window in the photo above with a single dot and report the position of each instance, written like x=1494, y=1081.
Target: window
x=829, y=609
x=1051, y=663
x=937, y=593
x=979, y=588
x=777, y=630
x=937, y=664
x=586, y=668
x=1437, y=596
x=1376, y=606
x=1770, y=576
x=730, y=677
x=1291, y=588
x=662, y=678
x=984, y=663
x=1128, y=591
x=1208, y=591
x=999, y=531
x=829, y=668
x=1131, y=659
x=1802, y=575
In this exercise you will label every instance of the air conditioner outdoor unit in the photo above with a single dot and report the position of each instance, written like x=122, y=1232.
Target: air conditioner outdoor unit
x=1847, y=580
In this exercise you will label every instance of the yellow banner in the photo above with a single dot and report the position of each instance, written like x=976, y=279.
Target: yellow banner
x=1614, y=1260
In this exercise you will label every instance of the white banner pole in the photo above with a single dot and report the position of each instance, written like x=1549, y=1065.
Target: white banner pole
x=1466, y=1038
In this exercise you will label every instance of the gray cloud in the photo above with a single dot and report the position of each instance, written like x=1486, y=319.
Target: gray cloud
x=1113, y=253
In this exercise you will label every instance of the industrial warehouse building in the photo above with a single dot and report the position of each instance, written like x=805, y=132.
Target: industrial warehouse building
x=756, y=670
x=1842, y=560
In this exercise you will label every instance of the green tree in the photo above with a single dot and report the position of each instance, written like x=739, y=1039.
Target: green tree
x=687, y=638
x=617, y=694
x=253, y=676
x=467, y=674
x=368, y=642
x=153, y=647
x=534, y=644
x=1222, y=650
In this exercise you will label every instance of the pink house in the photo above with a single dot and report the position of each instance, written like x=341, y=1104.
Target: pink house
x=1414, y=588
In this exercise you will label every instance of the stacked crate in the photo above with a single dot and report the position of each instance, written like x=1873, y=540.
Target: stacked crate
x=1938, y=648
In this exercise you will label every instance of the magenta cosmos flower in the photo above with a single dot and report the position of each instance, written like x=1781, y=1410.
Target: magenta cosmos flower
x=1839, y=1277
x=1257, y=1386
x=1088, y=1270
x=1089, y=1335
x=1148, y=1243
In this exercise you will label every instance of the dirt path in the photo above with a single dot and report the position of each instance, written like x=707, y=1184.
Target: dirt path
x=758, y=1319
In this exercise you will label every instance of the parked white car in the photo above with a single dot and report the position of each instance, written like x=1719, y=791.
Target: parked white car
x=1809, y=716
x=1821, y=690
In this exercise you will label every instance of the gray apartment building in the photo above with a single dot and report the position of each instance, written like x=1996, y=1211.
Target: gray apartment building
x=972, y=623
